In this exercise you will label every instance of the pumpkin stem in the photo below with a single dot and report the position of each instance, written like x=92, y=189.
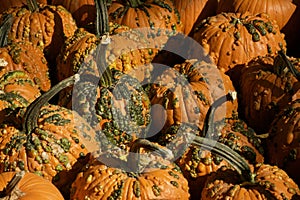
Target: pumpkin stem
x=32, y=111
x=289, y=64
x=5, y=29
x=209, y=118
x=32, y=5
x=135, y=159
x=225, y=152
x=102, y=31
x=135, y=3
x=11, y=192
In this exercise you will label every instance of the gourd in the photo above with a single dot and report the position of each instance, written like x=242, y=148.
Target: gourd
x=25, y=185
x=46, y=139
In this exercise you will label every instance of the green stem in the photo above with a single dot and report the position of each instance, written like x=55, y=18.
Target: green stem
x=32, y=111
x=32, y=5
x=134, y=159
x=11, y=186
x=102, y=22
x=225, y=152
x=5, y=29
x=289, y=64
x=209, y=118
x=102, y=31
x=135, y=3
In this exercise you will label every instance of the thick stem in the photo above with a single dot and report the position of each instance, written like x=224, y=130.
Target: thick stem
x=11, y=187
x=209, y=119
x=102, y=31
x=135, y=3
x=134, y=159
x=289, y=64
x=32, y=111
x=102, y=23
x=32, y=5
x=5, y=29
x=225, y=152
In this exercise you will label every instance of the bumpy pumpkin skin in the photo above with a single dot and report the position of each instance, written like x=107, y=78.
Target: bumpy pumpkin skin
x=33, y=187
x=194, y=11
x=237, y=38
x=23, y=55
x=121, y=111
x=270, y=183
x=158, y=20
x=264, y=92
x=279, y=10
x=17, y=91
x=46, y=28
x=159, y=180
x=6, y=4
x=84, y=12
x=57, y=144
x=19, y=83
x=186, y=92
x=197, y=164
x=283, y=143
x=127, y=52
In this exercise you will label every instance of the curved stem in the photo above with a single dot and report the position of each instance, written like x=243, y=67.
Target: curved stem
x=32, y=5
x=289, y=64
x=32, y=112
x=5, y=29
x=102, y=31
x=225, y=152
x=11, y=186
x=209, y=118
x=134, y=158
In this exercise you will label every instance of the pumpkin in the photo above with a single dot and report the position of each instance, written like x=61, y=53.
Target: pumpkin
x=158, y=20
x=46, y=26
x=158, y=178
x=194, y=11
x=279, y=10
x=284, y=12
x=241, y=180
x=26, y=185
x=269, y=182
x=22, y=55
x=17, y=91
x=283, y=140
x=5, y=5
x=266, y=87
x=48, y=140
x=184, y=93
x=128, y=49
x=111, y=101
x=197, y=163
x=84, y=12
x=236, y=38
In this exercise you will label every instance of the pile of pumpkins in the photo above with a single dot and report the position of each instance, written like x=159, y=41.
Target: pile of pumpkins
x=149, y=99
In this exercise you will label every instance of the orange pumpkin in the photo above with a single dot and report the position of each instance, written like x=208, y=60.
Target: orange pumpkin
x=46, y=26
x=47, y=139
x=7, y=4
x=194, y=11
x=283, y=142
x=236, y=38
x=84, y=12
x=269, y=182
x=184, y=93
x=27, y=186
x=158, y=20
x=157, y=178
x=279, y=10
